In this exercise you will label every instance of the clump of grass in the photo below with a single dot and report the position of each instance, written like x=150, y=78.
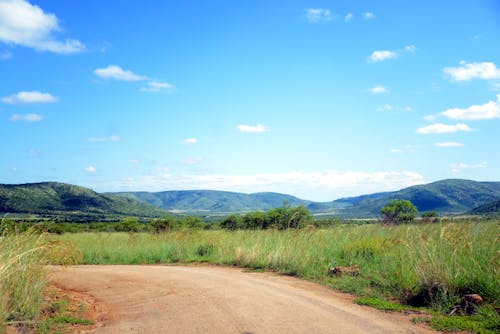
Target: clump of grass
x=486, y=321
x=381, y=304
x=23, y=276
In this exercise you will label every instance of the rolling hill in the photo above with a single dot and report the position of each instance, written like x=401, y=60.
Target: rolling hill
x=451, y=196
x=213, y=200
x=57, y=198
x=50, y=198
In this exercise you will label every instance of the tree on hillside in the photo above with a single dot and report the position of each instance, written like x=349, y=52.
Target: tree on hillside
x=400, y=211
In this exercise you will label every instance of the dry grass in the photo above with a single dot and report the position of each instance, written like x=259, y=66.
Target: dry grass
x=23, y=277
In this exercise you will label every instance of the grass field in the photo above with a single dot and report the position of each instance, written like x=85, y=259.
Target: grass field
x=438, y=262
x=430, y=264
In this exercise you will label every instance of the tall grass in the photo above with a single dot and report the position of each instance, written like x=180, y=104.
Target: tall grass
x=23, y=277
x=435, y=263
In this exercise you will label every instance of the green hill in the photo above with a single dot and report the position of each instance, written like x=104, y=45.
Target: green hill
x=491, y=208
x=58, y=198
x=213, y=201
x=451, y=196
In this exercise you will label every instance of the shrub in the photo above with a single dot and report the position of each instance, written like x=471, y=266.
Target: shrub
x=399, y=212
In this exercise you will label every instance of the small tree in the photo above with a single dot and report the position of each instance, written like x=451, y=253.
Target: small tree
x=129, y=224
x=399, y=212
x=231, y=222
x=162, y=224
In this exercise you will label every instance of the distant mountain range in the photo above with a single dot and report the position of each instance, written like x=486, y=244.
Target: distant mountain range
x=452, y=196
x=213, y=200
x=445, y=197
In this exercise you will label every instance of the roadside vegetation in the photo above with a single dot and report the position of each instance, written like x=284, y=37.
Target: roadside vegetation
x=403, y=264
x=23, y=276
x=432, y=265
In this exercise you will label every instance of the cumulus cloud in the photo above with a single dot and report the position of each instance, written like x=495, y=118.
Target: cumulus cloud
x=348, y=17
x=24, y=24
x=320, y=186
x=30, y=97
x=379, y=90
x=469, y=71
x=368, y=16
x=443, y=128
x=104, y=139
x=252, y=128
x=318, y=15
x=91, y=169
x=115, y=72
x=190, y=141
x=448, y=144
x=381, y=55
x=397, y=150
x=157, y=87
x=26, y=118
x=489, y=110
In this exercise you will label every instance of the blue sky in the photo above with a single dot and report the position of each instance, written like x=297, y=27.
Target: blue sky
x=318, y=99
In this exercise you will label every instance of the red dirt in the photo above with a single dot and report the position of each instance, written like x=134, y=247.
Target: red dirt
x=209, y=299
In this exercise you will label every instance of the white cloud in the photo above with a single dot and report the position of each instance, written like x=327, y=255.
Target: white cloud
x=443, y=128
x=489, y=110
x=381, y=55
x=91, y=169
x=134, y=161
x=252, y=129
x=318, y=15
x=458, y=167
x=104, y=139
x=190, y=141
x=397, y=150
x=157, y=87
x=462, y=165
x=448, y=144
x=348, y=17
x=117, y=73
x=319, y=186
x=379, y=90
x=469, y=71
x=28, y=25
x=368, y=16
x=30, y=97
x=26, y=118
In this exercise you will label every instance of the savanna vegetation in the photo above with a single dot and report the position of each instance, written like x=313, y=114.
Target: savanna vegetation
x=430, y=262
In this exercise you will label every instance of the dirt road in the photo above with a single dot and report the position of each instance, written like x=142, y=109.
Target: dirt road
x=208, y=299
